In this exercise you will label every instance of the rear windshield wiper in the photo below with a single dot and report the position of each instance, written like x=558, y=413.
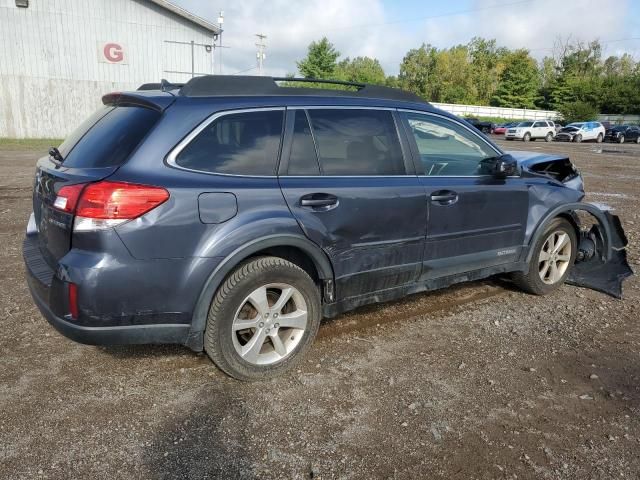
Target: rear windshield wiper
x=55, y=154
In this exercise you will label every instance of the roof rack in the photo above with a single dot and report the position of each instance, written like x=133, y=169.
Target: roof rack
x=237, y=85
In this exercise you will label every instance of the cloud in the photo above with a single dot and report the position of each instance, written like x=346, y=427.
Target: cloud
x=388, y=31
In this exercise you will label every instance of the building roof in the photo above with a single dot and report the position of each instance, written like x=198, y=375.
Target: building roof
x=188, y=15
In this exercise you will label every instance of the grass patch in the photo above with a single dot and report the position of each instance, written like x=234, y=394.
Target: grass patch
x=29, y=143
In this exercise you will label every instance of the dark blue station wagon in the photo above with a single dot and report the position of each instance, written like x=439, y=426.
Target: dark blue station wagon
x=231, y=214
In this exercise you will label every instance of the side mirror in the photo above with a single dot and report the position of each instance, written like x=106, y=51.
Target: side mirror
x=505, y=166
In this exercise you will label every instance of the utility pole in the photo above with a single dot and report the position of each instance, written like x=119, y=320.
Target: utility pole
x=260, y=55
x=220, y=22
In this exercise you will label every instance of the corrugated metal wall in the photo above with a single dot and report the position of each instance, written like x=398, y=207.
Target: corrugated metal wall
x=51, y=73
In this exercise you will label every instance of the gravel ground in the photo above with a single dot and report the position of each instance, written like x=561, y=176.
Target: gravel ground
x=477, y=381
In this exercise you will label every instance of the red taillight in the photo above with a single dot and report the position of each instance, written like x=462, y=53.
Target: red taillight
x=67, y=197
x=119, y=200
x=73, y=300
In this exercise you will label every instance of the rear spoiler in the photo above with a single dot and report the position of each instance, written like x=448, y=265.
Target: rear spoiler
x=154, y=101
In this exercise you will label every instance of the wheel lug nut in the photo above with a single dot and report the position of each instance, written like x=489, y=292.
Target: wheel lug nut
x=275, y=315
x=277, y=325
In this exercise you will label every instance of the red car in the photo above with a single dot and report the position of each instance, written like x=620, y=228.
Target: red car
x=501, y=129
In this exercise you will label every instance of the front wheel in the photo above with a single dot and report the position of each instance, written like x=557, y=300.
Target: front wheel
x=600, y=138
x=551, y=259
x=638, y=139
x=578, y=138
x=621, y=139
x=527, y=137
x=262, y=319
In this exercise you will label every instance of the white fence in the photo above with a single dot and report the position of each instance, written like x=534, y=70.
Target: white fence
x=619, y=119
x=500, y=112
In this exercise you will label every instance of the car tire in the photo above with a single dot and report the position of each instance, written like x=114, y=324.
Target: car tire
x=577, y=138
x=621, y=139
x=638, y=139
x=246, y=317
x=526, y=137
x=549, y=137
x=548, y=269
x=599, y=138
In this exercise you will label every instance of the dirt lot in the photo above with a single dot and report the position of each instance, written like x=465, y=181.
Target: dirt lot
x=479, y=381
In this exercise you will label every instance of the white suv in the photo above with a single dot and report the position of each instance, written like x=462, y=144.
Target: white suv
x=526, y=131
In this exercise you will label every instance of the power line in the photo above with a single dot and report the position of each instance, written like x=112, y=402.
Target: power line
x=243, y=71
x=428, y=17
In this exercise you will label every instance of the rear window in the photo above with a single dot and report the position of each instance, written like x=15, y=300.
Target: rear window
x=357, y=142
x=244, y=143
x=107, y=137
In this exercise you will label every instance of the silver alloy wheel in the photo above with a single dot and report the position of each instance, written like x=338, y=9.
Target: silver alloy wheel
x=554, y=257
x=269, y=324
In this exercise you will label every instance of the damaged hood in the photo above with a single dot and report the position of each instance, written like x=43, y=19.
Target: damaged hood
x=528, y=159
x=556, y=167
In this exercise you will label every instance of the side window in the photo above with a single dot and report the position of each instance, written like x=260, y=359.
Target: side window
x=357, y=142
x=245, y=143
x=539, y=124
x=447, y=148
x=303, y=159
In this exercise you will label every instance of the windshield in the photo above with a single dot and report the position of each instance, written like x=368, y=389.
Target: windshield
x=576, y=125
x=525, y=124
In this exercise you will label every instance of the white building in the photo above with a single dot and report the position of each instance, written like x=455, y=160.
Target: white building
x=58, y=57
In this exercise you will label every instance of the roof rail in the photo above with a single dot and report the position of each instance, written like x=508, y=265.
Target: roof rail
x=244, y=85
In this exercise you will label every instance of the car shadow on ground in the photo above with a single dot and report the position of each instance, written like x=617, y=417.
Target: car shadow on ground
x=209, y=441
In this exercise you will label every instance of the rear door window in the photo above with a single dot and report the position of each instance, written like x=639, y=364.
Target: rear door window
x=108, y=137
x=356, y=142
x=243, y=143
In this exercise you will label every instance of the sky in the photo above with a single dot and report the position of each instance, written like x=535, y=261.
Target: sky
x=387, y=29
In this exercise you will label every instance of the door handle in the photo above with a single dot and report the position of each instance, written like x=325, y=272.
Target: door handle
x=444, y=197
x=319, y=200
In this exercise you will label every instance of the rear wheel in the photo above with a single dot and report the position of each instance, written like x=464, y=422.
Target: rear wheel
x=262, y=319
x=549, y=137
x=527, y=137
x=552, y=258
x=600, y=138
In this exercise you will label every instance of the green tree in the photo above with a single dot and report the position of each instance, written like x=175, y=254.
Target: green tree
x=361, y=69
x=320, y=61
x=487, y=63
x=519, y=82
x=578, y=111
x=417, y=71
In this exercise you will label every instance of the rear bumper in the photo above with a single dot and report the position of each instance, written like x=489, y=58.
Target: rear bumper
x=121, y=300
x=119, y=335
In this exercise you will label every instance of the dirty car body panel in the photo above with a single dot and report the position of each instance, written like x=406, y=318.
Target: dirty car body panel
x=364, y=237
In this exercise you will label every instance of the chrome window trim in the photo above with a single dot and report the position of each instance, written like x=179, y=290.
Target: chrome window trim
x=171, y=158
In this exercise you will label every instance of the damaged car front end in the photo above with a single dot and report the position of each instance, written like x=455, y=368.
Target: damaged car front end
x=601, y=262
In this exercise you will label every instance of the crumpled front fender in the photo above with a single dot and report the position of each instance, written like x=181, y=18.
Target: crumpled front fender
x=606, y=267
x=604, y=273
